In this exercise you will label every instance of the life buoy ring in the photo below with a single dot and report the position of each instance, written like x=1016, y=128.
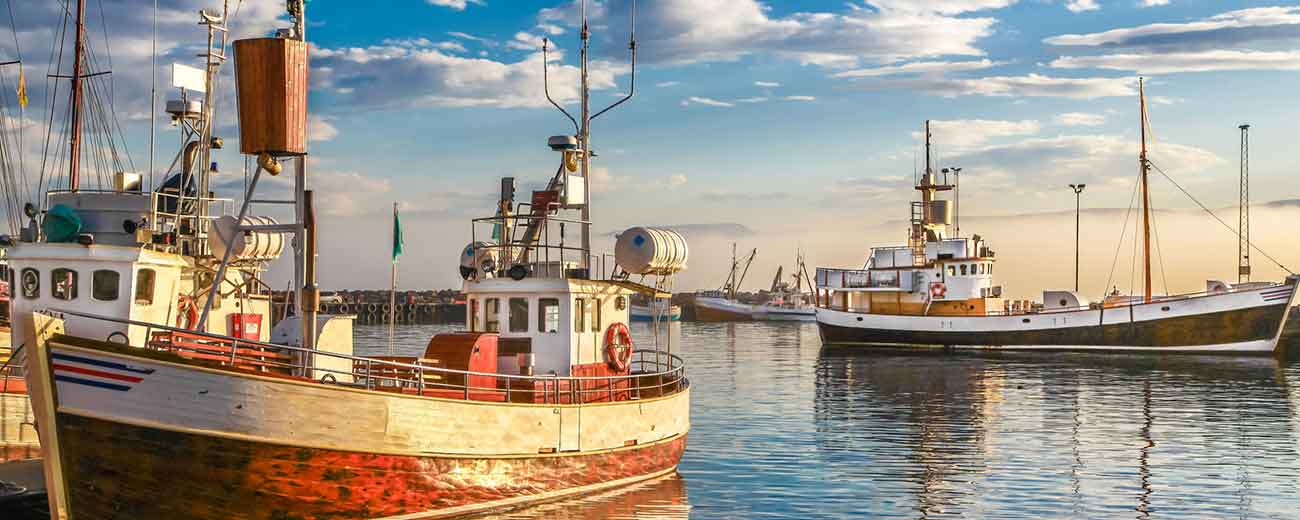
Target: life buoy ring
x=187, y=313
x=938, y=290
x=618, y=346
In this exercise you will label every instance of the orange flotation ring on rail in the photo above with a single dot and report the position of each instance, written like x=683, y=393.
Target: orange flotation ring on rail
x=618, y=346
x=187, y=313
x=938, y=290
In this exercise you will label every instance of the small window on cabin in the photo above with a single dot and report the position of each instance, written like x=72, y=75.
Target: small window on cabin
x=519, y=315
x=595, y=316
x=63, y=284
x=492, y=315
x=952, y=270
x=31, y=283
x=473, y=314
x=103, y=285
x=963, y=269
x=144, y=280
x=548, y=315
x=579, y=315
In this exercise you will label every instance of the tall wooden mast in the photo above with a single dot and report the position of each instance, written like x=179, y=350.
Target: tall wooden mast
x=1146, y=199
x=74, y=144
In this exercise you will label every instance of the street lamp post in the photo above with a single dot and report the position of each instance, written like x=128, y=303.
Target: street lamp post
x=1078, y=190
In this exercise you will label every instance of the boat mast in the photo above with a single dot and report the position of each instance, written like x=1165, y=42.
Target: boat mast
x=1146, y=198
x=584, y=139
x=74, y=144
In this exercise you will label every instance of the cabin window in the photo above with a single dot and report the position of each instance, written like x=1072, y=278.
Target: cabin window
x=952, y=270
x=492, y=315
x=144, y=280
x=519, y=315
x=579, y=315
x=982, y=269
x=31, y=283
x=548, y=315
x=963, y=269
x=473, y=314
x=63, y=284
x=103, y=285
x=595, y=316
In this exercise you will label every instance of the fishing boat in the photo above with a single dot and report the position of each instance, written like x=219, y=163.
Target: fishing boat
x=154, y=420
x=784, y=301
x=939, y=290
x=659, y=310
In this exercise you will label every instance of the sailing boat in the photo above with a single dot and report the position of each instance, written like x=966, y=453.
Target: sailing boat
x=520, y=408
x=722, y=304
x=938, y=290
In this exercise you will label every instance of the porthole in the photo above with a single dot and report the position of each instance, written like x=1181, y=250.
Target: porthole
x=1026, y=320
x=620, y=303
x=1165, y=308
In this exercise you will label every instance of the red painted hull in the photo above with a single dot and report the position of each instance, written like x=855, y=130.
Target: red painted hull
x=169, y=474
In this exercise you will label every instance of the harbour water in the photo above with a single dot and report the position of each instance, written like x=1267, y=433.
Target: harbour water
x=783, y=428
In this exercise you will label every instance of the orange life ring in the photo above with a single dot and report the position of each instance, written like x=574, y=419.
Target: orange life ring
x=187, y=313
x=938, y=290
x=618, y=346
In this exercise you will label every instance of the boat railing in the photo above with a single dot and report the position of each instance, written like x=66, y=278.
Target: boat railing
x=545, y=245
x=651, y=373
x=829, y=278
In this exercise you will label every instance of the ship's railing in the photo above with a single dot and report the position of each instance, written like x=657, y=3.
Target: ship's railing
x=554, y=251
x=652, y=373
x=828, y=278
x=188, y=216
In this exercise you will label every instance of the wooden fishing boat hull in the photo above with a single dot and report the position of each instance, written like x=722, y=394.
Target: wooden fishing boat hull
x=1239, y=322
x=716, y=310
x=141, y=435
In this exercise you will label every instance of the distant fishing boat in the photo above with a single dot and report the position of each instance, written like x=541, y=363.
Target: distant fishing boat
x=543, y=397
x=785, y=301
x=938, y=290
x=660, y=310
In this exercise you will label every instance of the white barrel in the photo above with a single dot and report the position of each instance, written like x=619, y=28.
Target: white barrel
x=254, y=245
x=474, y=254
x=658, y=251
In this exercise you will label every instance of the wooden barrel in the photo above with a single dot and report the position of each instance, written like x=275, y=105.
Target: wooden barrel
x=272, y=89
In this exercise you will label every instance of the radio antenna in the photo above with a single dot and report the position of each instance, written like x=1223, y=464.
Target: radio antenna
x=631, y=45
x=547, y=89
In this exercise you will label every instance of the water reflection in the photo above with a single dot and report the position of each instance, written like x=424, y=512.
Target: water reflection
x=782, y=428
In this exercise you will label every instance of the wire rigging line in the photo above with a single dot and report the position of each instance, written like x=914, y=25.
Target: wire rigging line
x=1219, y=220
x=1123, y=232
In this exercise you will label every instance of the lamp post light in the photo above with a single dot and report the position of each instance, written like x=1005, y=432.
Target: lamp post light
x=1078, y=190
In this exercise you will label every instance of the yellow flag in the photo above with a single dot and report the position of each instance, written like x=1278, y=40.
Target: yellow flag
x=22, y=89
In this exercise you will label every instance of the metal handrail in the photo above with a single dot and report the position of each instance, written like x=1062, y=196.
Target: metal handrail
x=668, y=369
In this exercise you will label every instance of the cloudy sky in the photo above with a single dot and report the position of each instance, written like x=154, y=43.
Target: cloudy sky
x=776, y=124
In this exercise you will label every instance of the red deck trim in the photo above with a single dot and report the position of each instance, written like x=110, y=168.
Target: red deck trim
x=96, y=373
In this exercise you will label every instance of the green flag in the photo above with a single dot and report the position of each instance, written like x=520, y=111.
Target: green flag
x=397, y=234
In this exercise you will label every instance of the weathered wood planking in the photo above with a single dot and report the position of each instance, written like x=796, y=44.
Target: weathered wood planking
x=272, y=88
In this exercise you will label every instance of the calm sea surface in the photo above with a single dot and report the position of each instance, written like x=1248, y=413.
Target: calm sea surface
x=784, y=428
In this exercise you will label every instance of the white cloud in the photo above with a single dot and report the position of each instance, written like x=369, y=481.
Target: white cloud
x=1031, y=85
x=1218, y=31
x=551, y=29
x=1079, y=119
x=800, y=98
x=1153, y=3
x=392, y=77
x=319, y=128
x=525, y=42
x=766, y=84
x=920, y=67
x=697, y=100
x=757, y=99
x=964, y=134
x=1195, y=61
x=451, y=46
x=458, y=5
x=676, y=180
x=1079, y=6
x=875, y=31
x=667, y=84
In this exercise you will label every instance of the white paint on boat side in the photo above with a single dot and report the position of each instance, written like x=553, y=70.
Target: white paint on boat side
x=1256, y=346
x=185, y=398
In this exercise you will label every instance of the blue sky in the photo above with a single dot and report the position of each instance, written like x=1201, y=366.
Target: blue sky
x=798, y=119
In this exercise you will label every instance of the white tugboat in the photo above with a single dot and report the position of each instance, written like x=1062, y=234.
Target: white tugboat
x=543, y=397
x=939, y=290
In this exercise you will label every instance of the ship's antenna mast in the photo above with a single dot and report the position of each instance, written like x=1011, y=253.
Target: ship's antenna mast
x=74, y=144
x=1145, y=166
x=1243, y=210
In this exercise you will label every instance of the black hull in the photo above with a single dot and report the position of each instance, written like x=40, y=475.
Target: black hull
x=1202, y=330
